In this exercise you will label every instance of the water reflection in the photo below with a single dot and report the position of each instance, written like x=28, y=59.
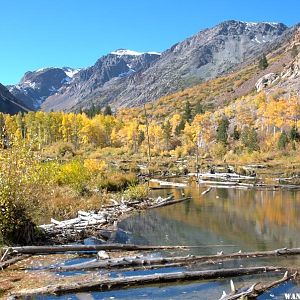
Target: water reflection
x=249, y=219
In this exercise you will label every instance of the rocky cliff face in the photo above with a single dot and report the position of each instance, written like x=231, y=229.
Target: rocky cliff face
x=8, y=103
x=38, y=85
x=285, y=79
x=88, y=83
x=126, y=80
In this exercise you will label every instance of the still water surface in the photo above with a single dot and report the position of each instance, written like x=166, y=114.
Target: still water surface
x=226, y=219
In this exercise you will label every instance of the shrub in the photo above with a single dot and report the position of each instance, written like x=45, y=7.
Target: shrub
x=95, y=165
x=73, y=174
x=65, y=149
x=20, y=187
x=249, y=139
x=116, y=181
x=136, y=192
x=218, y=150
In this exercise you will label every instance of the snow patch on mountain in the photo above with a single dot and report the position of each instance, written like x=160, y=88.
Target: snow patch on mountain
x=121, y=52
x=71, y=72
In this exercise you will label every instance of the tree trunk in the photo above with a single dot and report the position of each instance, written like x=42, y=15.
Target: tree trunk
x=121, y=282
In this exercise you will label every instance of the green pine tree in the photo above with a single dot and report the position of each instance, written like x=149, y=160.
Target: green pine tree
x=283, y=141
x=199, y=109
x=263, y=62
x=167, y=131
x=294, y=133
x=107, y=111
x=180, y=126
x=236, y=133
x=222, y=131
x=187, y=115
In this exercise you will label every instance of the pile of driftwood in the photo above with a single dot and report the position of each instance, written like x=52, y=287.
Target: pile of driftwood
x=87, y=224
x=144, y=261
x=230, y=180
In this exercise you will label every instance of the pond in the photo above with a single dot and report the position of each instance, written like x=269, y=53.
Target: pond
x=225, y=219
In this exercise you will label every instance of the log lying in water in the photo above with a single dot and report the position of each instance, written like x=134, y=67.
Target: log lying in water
x=234, y=177
x=170, y=202
x=169, y=183
x=256, y=289
x=125, y=262
x=5, y=264
x=121, y=282
x=74, y=248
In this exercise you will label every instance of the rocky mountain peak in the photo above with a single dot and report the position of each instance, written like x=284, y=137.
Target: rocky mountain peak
x=36, y=86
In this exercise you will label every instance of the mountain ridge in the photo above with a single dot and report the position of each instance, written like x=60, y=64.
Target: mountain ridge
x=127, y=78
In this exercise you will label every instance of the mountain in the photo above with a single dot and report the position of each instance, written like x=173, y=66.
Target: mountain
x=8, y=103
x=38, y=85
x=204, y=56
x=110, y=68
x=279, y=79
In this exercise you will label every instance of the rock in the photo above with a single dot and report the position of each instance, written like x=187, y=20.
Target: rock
x=266, y=81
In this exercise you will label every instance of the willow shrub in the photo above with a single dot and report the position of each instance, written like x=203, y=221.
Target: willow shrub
x=20, y=189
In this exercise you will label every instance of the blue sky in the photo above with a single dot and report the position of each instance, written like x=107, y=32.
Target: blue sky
x=75, y=33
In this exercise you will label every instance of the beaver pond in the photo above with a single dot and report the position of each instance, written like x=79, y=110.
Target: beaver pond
x=225, y=219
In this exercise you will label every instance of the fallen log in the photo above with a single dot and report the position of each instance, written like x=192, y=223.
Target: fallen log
x=263, y=288
x=256, y=289
x=122, y=282
x=169, y=183
x=169, y=202
x=107, y=247
x=206, y=191
x=166, y=261
x=5, y=264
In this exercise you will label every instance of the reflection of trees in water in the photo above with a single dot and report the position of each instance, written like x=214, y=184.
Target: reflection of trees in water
x=248, y=218
x=161, y=229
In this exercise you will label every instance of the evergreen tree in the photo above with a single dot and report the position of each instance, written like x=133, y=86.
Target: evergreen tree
x=236, y=133
x=294, y=133
x=167, y=130
x=222, y=134
x=249, y=139
x=107, y=111
x=187, y=115
x=283, y=141
x=141, y=137
x=180, y=126
x=199, y=109
x=263, y=62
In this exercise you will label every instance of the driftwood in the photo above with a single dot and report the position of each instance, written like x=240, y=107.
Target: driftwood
x=11, y=261
x=206, y=191
x=263, y=288
x=169, y=183
x=87, y=224
x=254, y=290
x=75, y=248
x=166, y=203
x=234, y=177
x=180, y=260
x=122, y=282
